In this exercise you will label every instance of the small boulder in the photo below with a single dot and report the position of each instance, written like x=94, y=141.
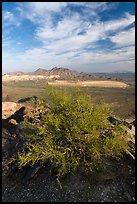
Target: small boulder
x=9, y=108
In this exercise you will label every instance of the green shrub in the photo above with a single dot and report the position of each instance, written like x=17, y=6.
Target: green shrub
x=74, y=133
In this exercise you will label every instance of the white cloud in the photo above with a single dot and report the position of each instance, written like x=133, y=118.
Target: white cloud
x=120, y=23
x=40, y=12
x=65, y=36
x=5, y=41
x=91, y=5
x=9, y=19
x=122, y=58
x=65, y=28
x=126, y=53
x=63, y=45
x=124, y=38
x=19, y=43
x=8, y=16
x=42, y=7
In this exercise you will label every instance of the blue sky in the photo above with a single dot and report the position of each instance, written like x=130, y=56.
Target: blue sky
x=82, y=36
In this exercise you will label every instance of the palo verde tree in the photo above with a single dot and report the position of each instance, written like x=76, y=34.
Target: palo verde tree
x=74, y=133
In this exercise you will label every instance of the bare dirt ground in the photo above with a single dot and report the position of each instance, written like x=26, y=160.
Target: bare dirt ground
x=90, y=83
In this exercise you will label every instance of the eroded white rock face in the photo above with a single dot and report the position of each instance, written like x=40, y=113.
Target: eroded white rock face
x=27, y=77
x=9, y=108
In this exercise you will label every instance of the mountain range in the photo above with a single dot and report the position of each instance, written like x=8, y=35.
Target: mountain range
x=67, y=74
x=63, y=73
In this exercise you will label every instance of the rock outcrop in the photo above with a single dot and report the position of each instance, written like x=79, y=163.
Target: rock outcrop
x=15, y=110
x=129, y=124
x=9, y=108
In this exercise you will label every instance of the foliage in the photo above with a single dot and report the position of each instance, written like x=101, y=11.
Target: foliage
x=74, y=133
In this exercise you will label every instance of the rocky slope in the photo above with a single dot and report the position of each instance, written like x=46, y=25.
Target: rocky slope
x=116, y=184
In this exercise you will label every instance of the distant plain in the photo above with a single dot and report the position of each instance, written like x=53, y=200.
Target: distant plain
x=121, y=100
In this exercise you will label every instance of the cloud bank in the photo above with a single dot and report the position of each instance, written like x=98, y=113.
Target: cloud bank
x=83, y=36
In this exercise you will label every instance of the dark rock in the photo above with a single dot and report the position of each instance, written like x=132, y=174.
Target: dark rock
x=22, y=100
x=114, y=120
x=30, y=172
x=128, y=196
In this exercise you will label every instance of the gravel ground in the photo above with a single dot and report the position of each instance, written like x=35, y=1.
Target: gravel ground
x=99, y=187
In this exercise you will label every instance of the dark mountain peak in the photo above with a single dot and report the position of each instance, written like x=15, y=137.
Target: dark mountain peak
x=40, y=70
x=59, y=69
x=64, y=73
